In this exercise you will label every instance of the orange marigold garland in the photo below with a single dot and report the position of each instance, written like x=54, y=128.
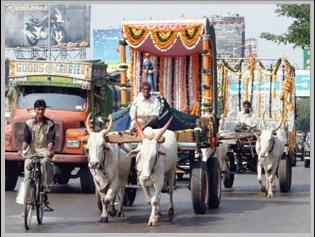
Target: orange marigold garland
x=131, y=73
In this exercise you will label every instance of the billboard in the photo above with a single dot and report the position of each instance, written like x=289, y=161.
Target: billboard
x=105, y=46
x=42, y=25
x=302, y=84
x=230, y=35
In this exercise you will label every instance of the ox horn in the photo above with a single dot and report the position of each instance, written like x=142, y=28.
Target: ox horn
x=263, y=120
x=279, y=125
x=162, y=131
x=138, y=127
x=105, y=131
x=88, y=124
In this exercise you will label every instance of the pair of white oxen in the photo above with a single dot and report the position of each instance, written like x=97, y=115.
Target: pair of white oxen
x=270, y=147
x=156, y=165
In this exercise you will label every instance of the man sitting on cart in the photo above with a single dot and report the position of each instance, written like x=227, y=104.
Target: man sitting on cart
x=147, y=106
x=246, y=119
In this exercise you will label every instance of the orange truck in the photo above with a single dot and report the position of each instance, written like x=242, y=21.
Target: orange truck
x=71, y=90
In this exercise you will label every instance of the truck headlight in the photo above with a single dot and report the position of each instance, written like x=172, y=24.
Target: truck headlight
x=7, y=140
x=73, y=144
x=307, y=153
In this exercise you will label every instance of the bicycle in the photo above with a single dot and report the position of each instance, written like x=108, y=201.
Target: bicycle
x=35, y=196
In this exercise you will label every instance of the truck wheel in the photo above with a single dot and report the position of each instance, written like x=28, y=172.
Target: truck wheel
x=11, y=175
x=228, y=177
x=214, y=196
x=199, y=187
x=285, y=174
x=86, y=180
x=306, y=163
x=62, y=178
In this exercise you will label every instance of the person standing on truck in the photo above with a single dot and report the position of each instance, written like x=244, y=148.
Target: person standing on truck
x=147, y=106
x=39, y=138
x=246, y=119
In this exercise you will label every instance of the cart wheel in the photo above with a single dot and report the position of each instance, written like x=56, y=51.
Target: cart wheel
x=199, y=187
x=228, y=177
x=285, y=174
x=130, y=193
x=293, y=160
x=306, y=163
x=214, y=196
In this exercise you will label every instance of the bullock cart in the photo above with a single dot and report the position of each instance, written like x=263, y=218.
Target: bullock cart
x=183, y=53
x=238, y=149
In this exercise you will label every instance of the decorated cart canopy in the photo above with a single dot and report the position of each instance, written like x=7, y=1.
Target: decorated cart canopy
x=72, y=74
x=184, y=60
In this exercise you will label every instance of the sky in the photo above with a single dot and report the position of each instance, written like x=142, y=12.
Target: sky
x=258, y=18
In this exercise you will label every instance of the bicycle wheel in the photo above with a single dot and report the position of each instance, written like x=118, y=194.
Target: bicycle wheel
x=28, y=203
x=39, y=201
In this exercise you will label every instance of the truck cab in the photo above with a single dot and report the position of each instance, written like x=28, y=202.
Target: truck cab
x=71, y=90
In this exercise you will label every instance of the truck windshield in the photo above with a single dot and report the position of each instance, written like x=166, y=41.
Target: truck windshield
x=56, y=98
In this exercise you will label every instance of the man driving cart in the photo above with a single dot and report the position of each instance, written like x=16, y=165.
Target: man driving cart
x=246, y=119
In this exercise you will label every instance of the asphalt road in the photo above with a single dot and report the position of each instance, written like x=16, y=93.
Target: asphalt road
x=243, y=210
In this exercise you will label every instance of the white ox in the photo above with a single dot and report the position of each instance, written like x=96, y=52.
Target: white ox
x=110, y=168
x=156, y=166
x=270, y=149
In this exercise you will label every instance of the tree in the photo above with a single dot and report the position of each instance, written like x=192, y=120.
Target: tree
x=303, y=114
x=299, y=31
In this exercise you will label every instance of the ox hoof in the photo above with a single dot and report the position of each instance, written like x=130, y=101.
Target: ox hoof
x=152, y=223
x=112, y=211
x=263, y=189
x=103, y=219
x=171, y=212
x=270, y=195
x=120, y=214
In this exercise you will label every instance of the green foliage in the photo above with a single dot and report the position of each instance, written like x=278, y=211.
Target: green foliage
x=299, y=31
x=302, y=121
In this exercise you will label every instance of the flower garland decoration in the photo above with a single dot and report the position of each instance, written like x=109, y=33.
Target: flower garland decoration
x=164, y=36
x=162, y=73
x=251, y=68
x=132, y=59
x=225, y=90
x=287, y=95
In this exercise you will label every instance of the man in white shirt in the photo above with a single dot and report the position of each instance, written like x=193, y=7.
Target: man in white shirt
x=246, y=119
x=147, y=107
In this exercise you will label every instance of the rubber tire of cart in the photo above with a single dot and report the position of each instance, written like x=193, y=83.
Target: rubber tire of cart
x=215, y=188
x=306, y=163
x=11, y=175
x=86, y=180
x=228, y=178
x=199, y=185
x=293, y=163
x=285, y=174
x=130, y=193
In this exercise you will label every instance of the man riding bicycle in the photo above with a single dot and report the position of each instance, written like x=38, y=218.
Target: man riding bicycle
x=39, y=138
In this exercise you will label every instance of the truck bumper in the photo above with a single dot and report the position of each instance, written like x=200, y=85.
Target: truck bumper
x=57, y=158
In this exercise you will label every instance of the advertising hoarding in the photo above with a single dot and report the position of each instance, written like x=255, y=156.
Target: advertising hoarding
x=42, y=25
